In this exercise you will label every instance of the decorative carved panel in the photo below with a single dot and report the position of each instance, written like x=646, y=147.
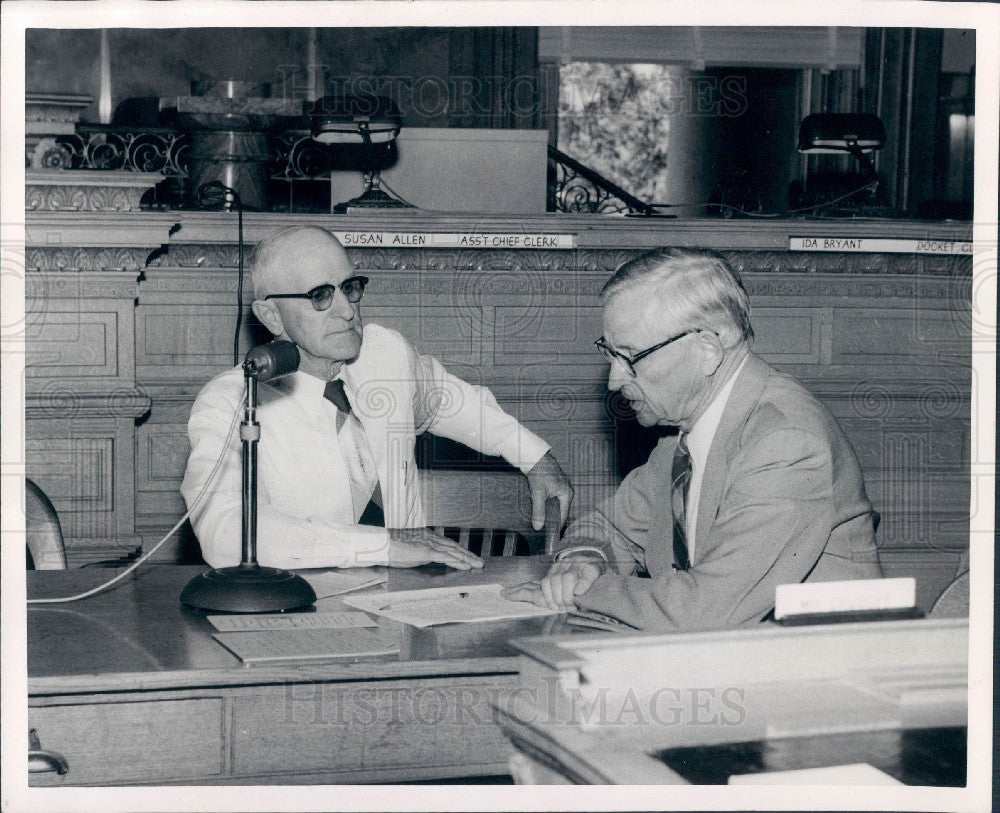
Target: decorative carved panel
x=61, y=190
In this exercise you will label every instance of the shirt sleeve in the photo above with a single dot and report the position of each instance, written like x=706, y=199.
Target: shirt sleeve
x=283, y=541
x=449, y=407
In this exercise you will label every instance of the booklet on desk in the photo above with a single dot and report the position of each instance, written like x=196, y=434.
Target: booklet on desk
x=328, y=583
x=271, y=646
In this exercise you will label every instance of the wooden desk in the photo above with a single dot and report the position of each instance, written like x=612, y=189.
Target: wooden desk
x=130, y=688
x=697, y=707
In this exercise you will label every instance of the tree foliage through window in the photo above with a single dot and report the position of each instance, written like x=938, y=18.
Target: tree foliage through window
x=614, y=119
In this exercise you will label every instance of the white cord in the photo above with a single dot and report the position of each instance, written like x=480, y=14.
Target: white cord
x=396, y=194
x=170, y=533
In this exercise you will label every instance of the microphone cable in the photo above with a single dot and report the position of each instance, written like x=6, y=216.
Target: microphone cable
x=197, y=501
x=216, y=194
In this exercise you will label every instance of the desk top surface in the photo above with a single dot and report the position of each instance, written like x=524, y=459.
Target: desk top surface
x=138, y=636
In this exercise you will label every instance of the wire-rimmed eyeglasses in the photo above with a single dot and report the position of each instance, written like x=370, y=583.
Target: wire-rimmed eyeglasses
x=628, y=362
x=353, y=288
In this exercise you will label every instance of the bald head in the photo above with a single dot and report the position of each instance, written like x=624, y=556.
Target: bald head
x=296, y=261
x=278, y=259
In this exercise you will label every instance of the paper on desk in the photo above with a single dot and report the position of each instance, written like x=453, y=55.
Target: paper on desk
x=857, y=775
x=337, y=582
x=265, y=646
x=283, y=621
x=446, y=605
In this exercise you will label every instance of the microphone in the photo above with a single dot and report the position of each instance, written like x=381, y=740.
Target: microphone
x=267, y=361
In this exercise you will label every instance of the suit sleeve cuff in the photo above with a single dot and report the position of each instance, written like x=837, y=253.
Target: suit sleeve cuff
x=575, y=552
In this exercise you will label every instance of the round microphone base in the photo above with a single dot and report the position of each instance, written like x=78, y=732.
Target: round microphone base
x=248, y=589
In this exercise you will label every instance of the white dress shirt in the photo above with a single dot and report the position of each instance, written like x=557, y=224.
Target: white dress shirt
x=699, y=442
x=312, y=484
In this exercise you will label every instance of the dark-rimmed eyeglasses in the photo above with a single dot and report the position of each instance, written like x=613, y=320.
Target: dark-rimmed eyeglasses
x=628, y=362
x=353, y=288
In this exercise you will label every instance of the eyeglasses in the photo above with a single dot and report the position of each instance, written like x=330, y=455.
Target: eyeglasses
x=613, y=355
x=353, y=288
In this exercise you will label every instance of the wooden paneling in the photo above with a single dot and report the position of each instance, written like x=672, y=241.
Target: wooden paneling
x=108, y=743
x=73, y=345
x=389, y=725
x=882, y=340
x=789, y=335
x=82, y=403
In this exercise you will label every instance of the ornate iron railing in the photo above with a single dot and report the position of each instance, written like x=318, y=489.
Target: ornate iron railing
x=576, y=188
x=573, y=186
x=146, y=149
x=298, y=157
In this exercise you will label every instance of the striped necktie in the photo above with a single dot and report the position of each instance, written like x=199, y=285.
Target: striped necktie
x=334, y=393
x=681, y=477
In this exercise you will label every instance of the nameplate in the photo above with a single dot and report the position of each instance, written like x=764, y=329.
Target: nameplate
x=857, y=595
x=421, y=239
x=880, y=245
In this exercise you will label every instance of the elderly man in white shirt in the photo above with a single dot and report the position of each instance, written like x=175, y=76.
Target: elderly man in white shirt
x=341, y=429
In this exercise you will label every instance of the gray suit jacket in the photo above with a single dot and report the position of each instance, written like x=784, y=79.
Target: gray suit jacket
x=782, y=501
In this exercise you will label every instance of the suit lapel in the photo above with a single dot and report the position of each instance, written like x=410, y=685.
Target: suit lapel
x=742, y=399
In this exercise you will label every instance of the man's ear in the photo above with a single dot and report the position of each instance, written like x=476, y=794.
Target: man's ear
x=269, y=316
x=712, y=351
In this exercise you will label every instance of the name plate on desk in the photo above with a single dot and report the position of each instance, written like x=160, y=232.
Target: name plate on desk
x=812, y=599
x=881, y=245
x=420, y=239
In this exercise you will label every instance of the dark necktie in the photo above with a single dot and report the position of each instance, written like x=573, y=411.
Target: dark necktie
x=334, y=393
x=681, y=477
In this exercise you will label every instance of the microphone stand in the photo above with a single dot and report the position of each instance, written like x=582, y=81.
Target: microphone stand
x=248, y=587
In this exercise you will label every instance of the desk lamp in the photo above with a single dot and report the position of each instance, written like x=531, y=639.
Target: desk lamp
x=854, y=133
x=364, y=131
x=248, y=587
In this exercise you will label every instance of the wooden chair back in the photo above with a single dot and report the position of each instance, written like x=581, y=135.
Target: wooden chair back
x=488, y=507
x=46, y=550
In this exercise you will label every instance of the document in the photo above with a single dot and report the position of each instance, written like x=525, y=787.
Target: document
x=597, y=621
x=293, y=621
x=855, y=775
x=337, y=582
x=446, y=605
x=270, y=646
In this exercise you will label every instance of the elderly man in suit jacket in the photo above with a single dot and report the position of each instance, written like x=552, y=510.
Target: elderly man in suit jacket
x=760, y=487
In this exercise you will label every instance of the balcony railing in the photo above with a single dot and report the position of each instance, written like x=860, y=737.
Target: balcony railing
x=573, y=187
x=576, y=188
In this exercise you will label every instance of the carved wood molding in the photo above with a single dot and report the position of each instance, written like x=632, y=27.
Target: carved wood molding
x=74, y=285
x=67, y=258
x=86, y=191
x=591, y=231
x=61, y=402
x=82, y=550
x=597, y=261
x=447, y=285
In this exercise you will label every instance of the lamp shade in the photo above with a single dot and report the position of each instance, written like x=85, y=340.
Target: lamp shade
x=841, y=132
x=355, y=120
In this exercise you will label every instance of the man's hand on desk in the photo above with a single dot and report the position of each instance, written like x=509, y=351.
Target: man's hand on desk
x=410, y=547
x=561, y=585
x=546, y=479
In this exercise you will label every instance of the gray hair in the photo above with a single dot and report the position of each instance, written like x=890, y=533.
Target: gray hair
x=261, y=262
x=696, y=286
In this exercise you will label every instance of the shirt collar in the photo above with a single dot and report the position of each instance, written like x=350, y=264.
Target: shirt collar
x=305, y=388
x=699, y=439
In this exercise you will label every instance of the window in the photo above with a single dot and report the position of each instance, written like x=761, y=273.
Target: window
x=614, y=118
